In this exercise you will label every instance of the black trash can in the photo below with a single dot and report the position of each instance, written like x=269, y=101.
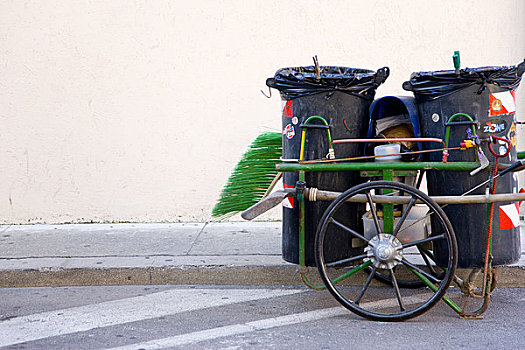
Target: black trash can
x=340, y=96
x=487, y=95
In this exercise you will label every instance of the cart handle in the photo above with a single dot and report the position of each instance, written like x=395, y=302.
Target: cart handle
x=415, y=139
x=306, y=125
x=494, y=153
x=471, y=121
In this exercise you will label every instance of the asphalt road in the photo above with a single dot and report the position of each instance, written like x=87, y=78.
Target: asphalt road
x=236, y=317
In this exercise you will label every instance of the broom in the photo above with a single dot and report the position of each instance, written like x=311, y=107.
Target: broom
x=252, y=176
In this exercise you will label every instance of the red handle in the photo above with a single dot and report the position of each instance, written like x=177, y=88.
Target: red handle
x=493, y=140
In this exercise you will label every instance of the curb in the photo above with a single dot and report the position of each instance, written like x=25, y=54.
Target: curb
x=507, y=276
x=174, y=275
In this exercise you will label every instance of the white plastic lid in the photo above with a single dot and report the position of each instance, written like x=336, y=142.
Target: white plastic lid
x=385, y=150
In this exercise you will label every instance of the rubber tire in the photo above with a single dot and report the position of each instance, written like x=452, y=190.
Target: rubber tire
x=449, y=233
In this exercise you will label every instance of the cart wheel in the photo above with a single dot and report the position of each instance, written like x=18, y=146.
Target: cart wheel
x=397, y=248
x=409, y=283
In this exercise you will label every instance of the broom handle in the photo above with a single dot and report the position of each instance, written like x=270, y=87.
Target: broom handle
x=272, y=185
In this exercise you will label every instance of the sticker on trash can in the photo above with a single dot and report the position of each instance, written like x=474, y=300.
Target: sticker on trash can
x=287, y=109
x=511, y=135
x=509, y=216
x=502, y=103
x=288, y=201
x=289, y=131
x=495, y=126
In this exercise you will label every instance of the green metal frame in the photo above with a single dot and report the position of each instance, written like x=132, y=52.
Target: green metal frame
x=359, y=166
x=387, y=170
x=447, y=129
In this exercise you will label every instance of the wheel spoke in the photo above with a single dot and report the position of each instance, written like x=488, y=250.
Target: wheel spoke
x=373, y=211
x=424, y=273
x=365, y=286
x=421, y=241
x=351, y=272
x=348, y=260
x=404, y=216
x=348, y=229
x=396, y=290
x=426, y=257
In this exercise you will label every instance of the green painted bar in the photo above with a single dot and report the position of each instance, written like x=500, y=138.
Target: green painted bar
x=302, y=230
x=351, y=272
x=433, y=287
x=521, y=155
x=388, y=209
x=312, y=167
x=376, y=173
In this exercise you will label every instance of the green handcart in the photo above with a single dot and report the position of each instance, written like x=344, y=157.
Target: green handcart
x=407, y=247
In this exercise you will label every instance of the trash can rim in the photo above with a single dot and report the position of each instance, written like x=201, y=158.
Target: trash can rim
x=467, y=70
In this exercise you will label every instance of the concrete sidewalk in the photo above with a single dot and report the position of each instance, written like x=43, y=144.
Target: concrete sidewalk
x=118, y=254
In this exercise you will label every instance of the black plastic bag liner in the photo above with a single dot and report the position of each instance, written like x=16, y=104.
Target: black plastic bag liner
x=432, y=85
x=302, y=81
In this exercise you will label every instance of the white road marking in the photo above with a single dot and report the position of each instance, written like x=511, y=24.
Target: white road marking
x=236, y=329
x=209, y=334
x=110, y=313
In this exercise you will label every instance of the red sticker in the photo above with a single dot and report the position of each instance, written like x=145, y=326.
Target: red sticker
x=502, y=103
x=509, y=216
x=289, y=131
x=288, y=109
x=288, y=201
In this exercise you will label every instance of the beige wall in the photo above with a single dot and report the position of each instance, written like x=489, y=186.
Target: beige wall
x=138, y=110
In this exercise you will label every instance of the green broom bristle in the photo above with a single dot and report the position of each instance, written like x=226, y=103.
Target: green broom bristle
x=251, y=177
